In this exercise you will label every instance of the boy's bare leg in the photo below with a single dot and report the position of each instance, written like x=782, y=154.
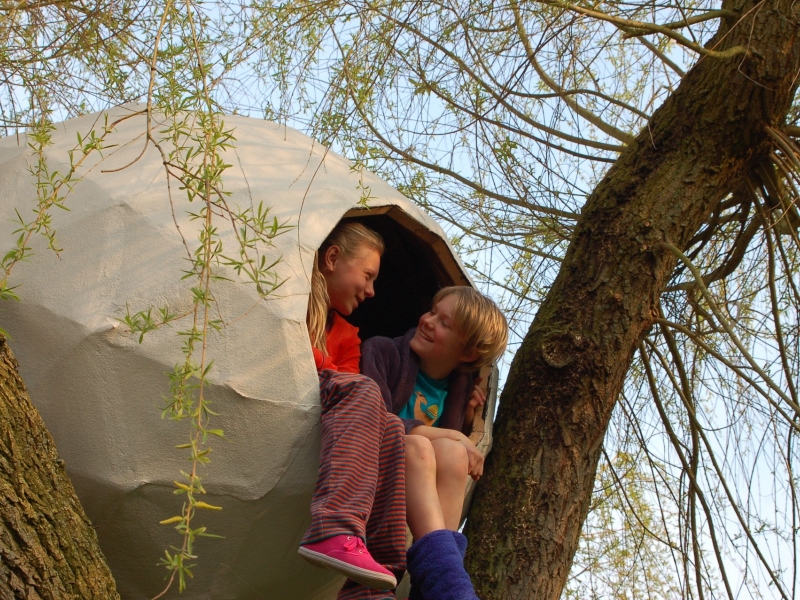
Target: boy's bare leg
x=423, y=510
x=452, y=465
x=436, y=475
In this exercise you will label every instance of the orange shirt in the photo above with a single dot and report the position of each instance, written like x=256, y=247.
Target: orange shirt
x=344, y=347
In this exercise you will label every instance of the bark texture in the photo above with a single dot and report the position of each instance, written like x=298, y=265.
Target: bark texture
x=48, y=549
x=530, y=506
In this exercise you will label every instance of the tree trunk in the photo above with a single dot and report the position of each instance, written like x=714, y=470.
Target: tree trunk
x=564, y=381
x=48, y=548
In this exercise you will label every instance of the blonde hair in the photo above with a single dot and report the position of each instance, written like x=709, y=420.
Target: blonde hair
x=350, y=237
x=480, y=322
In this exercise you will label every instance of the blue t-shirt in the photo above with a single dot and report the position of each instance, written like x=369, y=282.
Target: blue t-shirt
x=427, y=400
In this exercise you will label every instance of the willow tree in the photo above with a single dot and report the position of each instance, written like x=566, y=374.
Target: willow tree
x=55, y=54
x=48, y=548
x=627, y=173
x=63, y=59
x=623, y=173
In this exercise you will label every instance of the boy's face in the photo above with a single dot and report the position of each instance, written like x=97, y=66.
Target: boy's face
x=437, y=342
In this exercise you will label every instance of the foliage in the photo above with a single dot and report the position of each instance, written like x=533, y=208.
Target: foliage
x=499, y=118
x=165, y=53
x=616, y=558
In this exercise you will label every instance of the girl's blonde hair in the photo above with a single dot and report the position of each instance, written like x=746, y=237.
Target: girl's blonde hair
x=480, y=322
x=350, y=237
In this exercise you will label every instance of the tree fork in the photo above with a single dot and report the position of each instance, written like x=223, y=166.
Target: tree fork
x=48, y=549
x=565, y=379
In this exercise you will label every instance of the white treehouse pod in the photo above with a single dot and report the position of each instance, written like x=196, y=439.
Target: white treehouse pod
x=101, y=392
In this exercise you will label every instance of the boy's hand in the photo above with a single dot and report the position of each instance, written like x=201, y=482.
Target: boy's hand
x=476, y=400
x=475, y=459
x=474, y=456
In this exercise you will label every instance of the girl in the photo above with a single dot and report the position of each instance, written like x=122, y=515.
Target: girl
x=358, y=508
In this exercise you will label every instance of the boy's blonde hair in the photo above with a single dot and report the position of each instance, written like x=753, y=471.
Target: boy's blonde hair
x=480, y=322
x=350, y=237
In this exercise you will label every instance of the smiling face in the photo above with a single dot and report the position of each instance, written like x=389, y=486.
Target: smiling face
x=351, y=280
x=437, y=342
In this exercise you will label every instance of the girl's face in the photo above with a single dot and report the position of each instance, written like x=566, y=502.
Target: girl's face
x=350, y=281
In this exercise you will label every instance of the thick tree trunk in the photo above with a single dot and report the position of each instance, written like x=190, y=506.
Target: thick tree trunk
x=529, y=509
x=48, y=548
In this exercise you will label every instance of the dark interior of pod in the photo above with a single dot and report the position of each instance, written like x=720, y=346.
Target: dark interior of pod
x=415, y=265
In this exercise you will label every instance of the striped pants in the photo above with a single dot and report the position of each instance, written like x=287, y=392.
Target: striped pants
x=361, y=483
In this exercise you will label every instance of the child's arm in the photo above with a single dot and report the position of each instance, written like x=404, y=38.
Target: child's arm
x=344, y=346
x=349, y=351
x=473, y=454
x=376, y=366
x=382, y=362
x=476, y=400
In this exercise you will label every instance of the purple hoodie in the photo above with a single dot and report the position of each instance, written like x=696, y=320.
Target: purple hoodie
x=394, y=367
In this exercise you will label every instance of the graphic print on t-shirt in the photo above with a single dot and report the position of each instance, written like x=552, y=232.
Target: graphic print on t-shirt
x=424, y=412
x=426, y=402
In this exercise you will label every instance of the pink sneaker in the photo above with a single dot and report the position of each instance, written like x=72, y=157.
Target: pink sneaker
x=348, y=555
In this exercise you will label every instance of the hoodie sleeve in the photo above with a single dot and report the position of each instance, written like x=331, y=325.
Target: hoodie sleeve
x=410, y=424
x=461, y=385
x=381, y=361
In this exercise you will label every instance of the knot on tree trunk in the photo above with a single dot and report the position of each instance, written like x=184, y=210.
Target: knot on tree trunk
x=561, y=348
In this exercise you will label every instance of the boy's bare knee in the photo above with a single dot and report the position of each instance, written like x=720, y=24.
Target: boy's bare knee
x=419, y=448
x=451, y=456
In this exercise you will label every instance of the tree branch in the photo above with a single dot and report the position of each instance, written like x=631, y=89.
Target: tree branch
x=623, y=137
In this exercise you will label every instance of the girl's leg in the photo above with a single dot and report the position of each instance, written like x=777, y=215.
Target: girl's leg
x=354, y=591
x=386, y=527
x=352, y=424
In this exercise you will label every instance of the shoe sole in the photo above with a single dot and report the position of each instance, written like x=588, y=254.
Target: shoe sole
x=367, y=578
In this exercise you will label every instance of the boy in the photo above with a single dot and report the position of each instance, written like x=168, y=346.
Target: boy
x=427, y=378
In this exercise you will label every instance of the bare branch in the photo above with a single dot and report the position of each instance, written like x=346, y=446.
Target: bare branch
x=588, y=115
x=637, y=28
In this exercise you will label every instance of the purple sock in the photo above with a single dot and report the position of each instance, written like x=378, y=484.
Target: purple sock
x=437, y=568
x=461, y=543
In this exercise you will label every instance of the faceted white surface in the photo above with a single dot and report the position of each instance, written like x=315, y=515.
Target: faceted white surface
x=100, y=391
